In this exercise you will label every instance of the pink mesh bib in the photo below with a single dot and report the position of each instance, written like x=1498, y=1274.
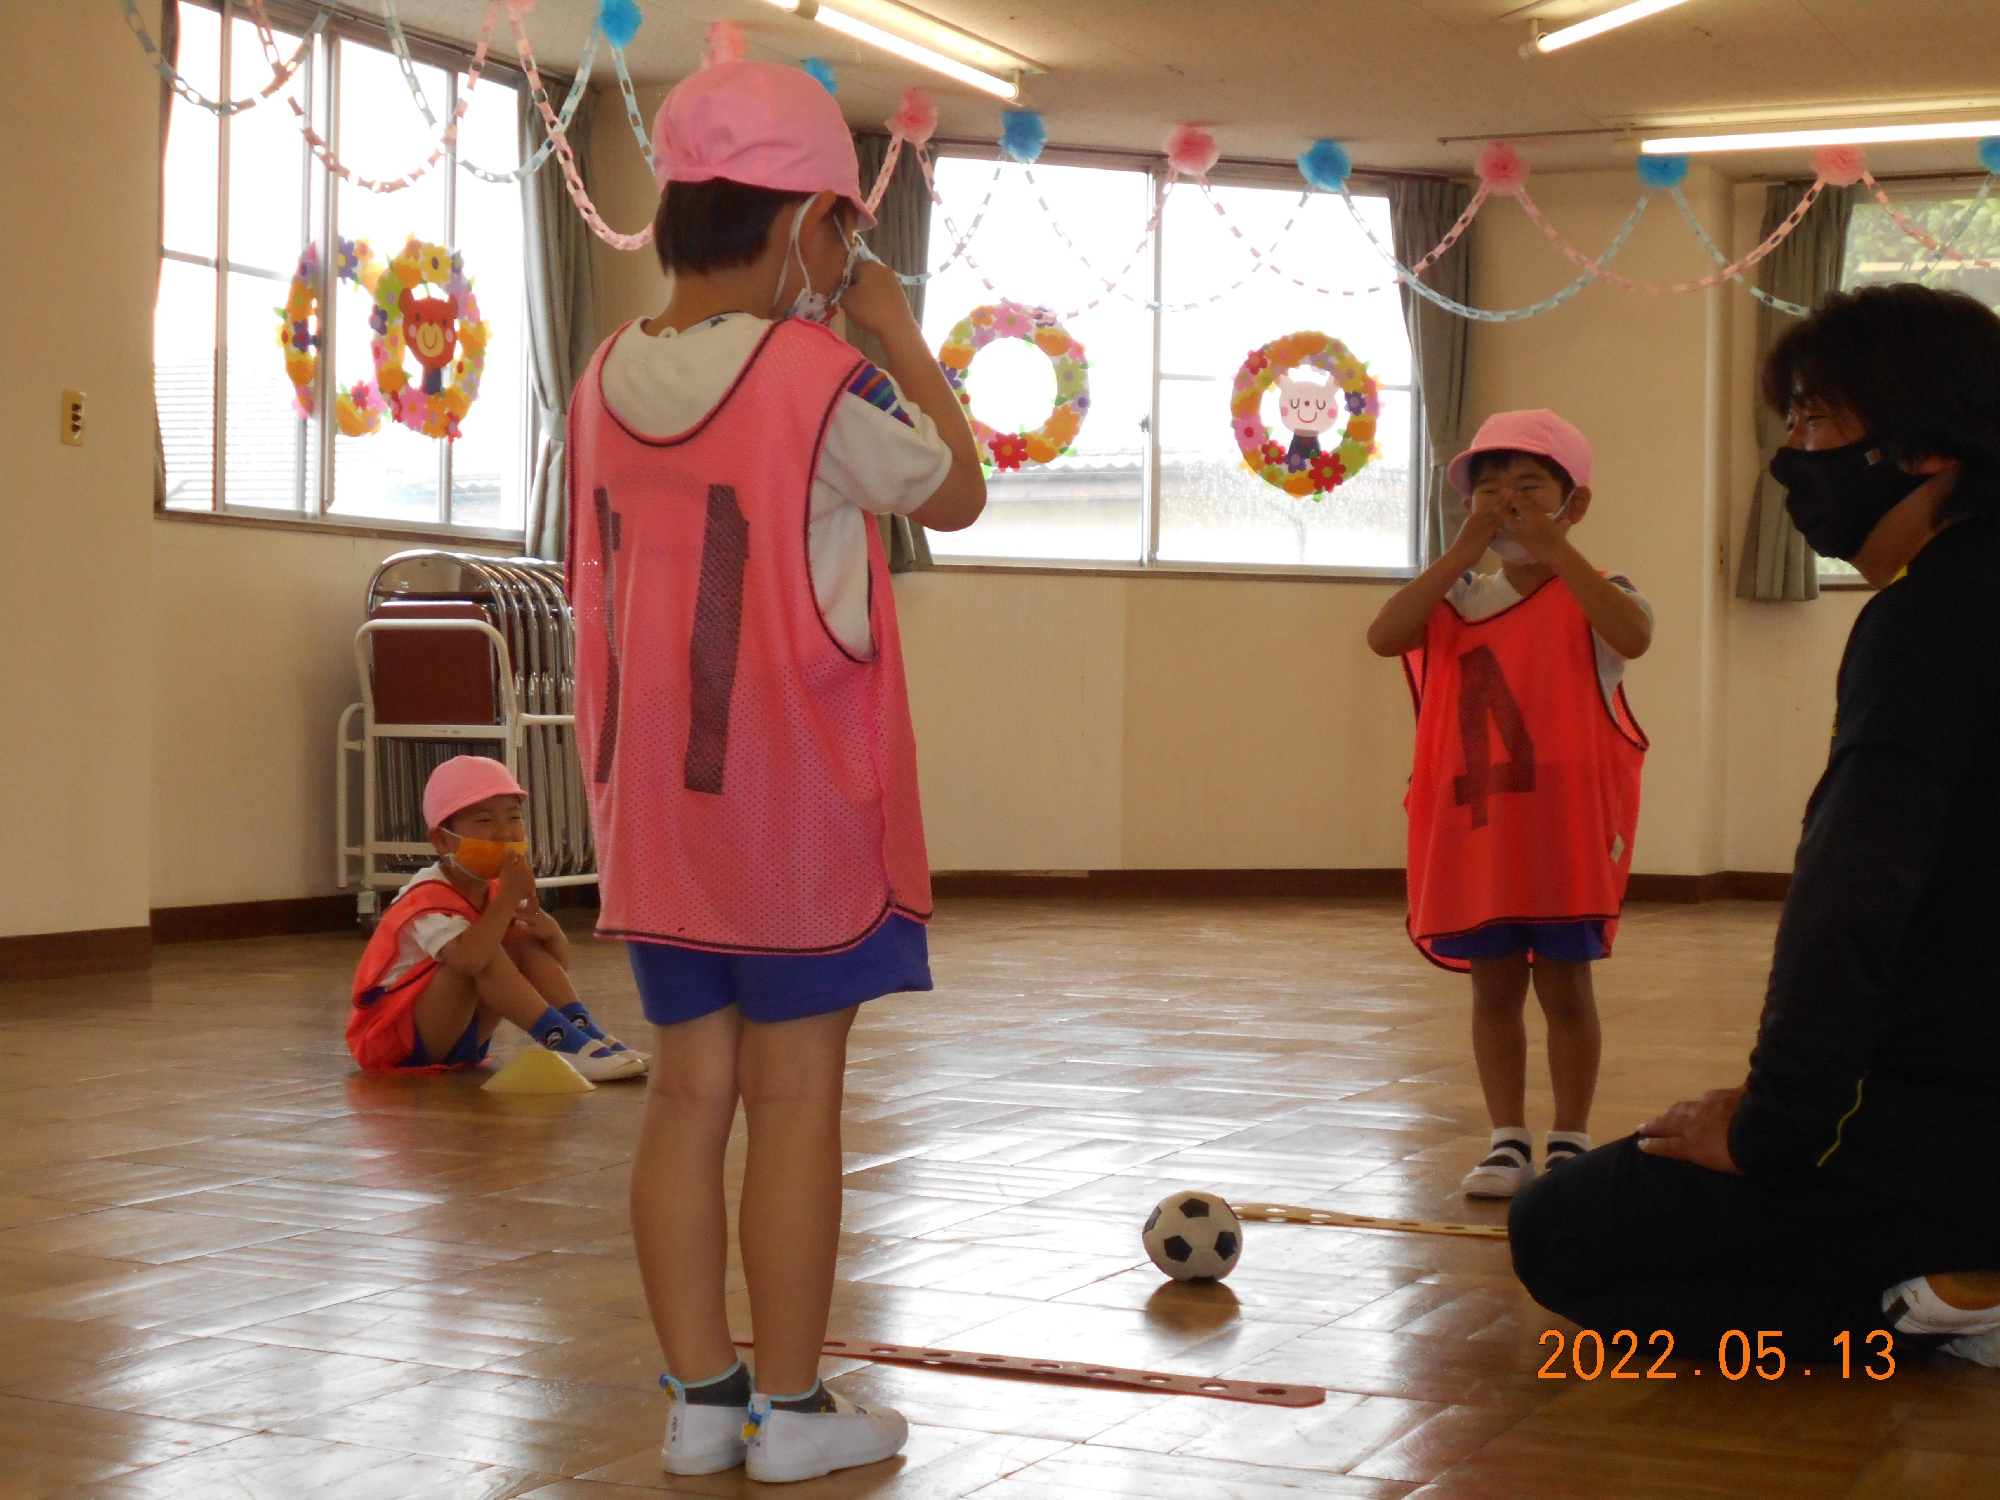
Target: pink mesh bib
x=753, y=785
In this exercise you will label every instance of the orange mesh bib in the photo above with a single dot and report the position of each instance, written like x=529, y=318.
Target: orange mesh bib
x=1524, y=798
x=753, y=785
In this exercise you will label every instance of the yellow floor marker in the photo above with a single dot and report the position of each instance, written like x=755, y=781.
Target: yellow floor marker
x=538, y=1071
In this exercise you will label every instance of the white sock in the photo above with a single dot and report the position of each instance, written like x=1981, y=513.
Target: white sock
x=1580, y=1139
x=1513, y=1135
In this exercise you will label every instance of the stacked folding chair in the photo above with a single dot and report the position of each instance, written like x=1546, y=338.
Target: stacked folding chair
x=460, y=655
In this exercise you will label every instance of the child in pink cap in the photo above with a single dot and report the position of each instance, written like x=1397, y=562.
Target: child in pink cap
x=465, y=946
x=1524, y=797
x=745, y=728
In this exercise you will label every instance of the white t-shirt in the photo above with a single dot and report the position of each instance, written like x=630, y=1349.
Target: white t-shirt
x=1476, y=596
x=882, y=455
x=426, y=936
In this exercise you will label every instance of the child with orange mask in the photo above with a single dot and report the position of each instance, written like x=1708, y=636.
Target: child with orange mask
x=466, y=946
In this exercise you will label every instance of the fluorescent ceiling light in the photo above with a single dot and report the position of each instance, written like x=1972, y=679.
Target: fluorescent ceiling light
x=1852, y=135
x=901, y=46
x=1611, y=20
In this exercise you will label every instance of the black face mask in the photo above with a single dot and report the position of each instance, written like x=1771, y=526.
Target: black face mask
x=1836, y=495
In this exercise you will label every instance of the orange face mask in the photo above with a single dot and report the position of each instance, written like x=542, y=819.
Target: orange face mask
x=484, y=857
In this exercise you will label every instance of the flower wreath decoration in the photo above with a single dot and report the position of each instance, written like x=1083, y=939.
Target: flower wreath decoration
x=1036, y=326
x=445, y=333
x=359, y=410
x=1311, y=407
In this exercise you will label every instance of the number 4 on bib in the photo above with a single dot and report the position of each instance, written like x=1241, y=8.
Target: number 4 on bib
x=1482, y=695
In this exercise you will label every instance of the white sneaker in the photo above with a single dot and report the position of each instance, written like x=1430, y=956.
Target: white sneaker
x=703, y=1439
x=1980, y=1348
x=1502, y=1174
x=1912, y=1307
x=601, y=1063
x=788, y=1445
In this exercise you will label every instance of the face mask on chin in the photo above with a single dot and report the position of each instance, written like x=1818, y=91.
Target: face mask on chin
x=1837, y=496
x=483, y=858
x=816, y=307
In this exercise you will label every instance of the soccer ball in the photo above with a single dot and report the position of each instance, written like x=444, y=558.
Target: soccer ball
x=1193, y=1237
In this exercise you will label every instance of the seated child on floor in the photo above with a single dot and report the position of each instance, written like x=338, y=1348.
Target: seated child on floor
x=466, y=946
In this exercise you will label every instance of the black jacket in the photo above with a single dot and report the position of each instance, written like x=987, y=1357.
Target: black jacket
x=1878, y=1054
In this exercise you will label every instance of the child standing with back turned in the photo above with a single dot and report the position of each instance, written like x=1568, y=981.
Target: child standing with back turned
x=1525, y=791
x=745, y=730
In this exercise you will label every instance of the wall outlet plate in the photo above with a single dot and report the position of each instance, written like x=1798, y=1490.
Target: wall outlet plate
x=72, y=418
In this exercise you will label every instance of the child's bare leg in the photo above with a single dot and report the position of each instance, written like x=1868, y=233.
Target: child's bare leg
x=1499, y=1039
x=679, y=1227
x=792, y=1075
x=1575, y=1039
x=497, y=993
x=539, y=967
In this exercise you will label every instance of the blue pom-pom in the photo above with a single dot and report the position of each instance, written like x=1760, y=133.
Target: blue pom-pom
x=1989, y=153
x=822, y=70
x=1663, y=171
x=619, y=20
x=1022, y=135
x=1326, y=165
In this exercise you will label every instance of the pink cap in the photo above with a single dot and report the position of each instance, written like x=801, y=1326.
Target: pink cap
x=1540, y=432
x=761, y=124
x=462, y=781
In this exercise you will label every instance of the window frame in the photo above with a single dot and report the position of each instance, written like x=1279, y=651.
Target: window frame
x=319, y=85
x=1226, y=173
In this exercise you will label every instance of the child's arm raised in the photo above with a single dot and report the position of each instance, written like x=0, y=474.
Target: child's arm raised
x=1399, y=627
x=875, y=304
x=1614, y=614
x=473, y=949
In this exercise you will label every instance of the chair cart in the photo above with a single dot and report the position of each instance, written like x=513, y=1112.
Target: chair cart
x=459, y=654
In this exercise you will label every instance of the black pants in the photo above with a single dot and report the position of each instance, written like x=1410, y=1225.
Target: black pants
x=1618, y=1239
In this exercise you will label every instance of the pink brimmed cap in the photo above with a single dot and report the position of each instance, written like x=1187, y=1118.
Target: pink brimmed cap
x=761, y=124
x=462, y=781
x=1540, y=432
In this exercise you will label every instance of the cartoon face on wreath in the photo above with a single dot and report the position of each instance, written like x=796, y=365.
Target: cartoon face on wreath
x=430, y=330
x=1307, y=408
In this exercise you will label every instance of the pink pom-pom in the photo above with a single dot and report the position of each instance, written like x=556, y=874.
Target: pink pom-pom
x=1191, y=151
x=916, y=119
x=724, y=44
x=1840, y=165
x=1501, y=168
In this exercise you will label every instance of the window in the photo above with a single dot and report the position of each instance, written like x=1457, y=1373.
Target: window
x=243, y=196
x=1879, y=251
x=1155, y=478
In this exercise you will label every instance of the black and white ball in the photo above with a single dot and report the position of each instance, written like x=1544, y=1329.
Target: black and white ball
x=1193, y=1237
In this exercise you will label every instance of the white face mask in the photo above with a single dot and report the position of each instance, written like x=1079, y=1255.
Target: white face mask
x=815, y=306
x=1508, y=550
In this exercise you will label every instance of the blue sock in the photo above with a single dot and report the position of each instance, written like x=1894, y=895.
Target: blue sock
x=578, y=1017
x=557, y=1033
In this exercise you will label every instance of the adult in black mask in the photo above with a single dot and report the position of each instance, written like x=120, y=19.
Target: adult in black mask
x=1848, y=1185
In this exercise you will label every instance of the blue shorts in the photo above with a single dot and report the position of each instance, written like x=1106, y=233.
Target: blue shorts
x=467, y=1052
x=1558, y=942
x=680, y=984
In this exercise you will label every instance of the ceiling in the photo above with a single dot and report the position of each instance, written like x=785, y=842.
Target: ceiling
x=1391, y=79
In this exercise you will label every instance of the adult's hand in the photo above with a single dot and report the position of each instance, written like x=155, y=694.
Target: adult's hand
x=1695, y=1130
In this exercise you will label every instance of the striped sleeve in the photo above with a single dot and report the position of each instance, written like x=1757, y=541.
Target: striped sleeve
x=874, y=387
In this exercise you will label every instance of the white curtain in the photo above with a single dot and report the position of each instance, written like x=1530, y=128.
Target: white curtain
x=1421, y=212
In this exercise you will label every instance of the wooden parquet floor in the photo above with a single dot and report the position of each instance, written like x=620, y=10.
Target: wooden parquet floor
x=232, y=1266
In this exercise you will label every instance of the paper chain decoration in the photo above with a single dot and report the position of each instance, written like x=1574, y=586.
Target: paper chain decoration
x=446, y=334
x=1036, y=326
x=1190, y=152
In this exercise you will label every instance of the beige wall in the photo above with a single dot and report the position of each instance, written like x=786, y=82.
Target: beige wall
x=171, y=687
x=78, y=181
